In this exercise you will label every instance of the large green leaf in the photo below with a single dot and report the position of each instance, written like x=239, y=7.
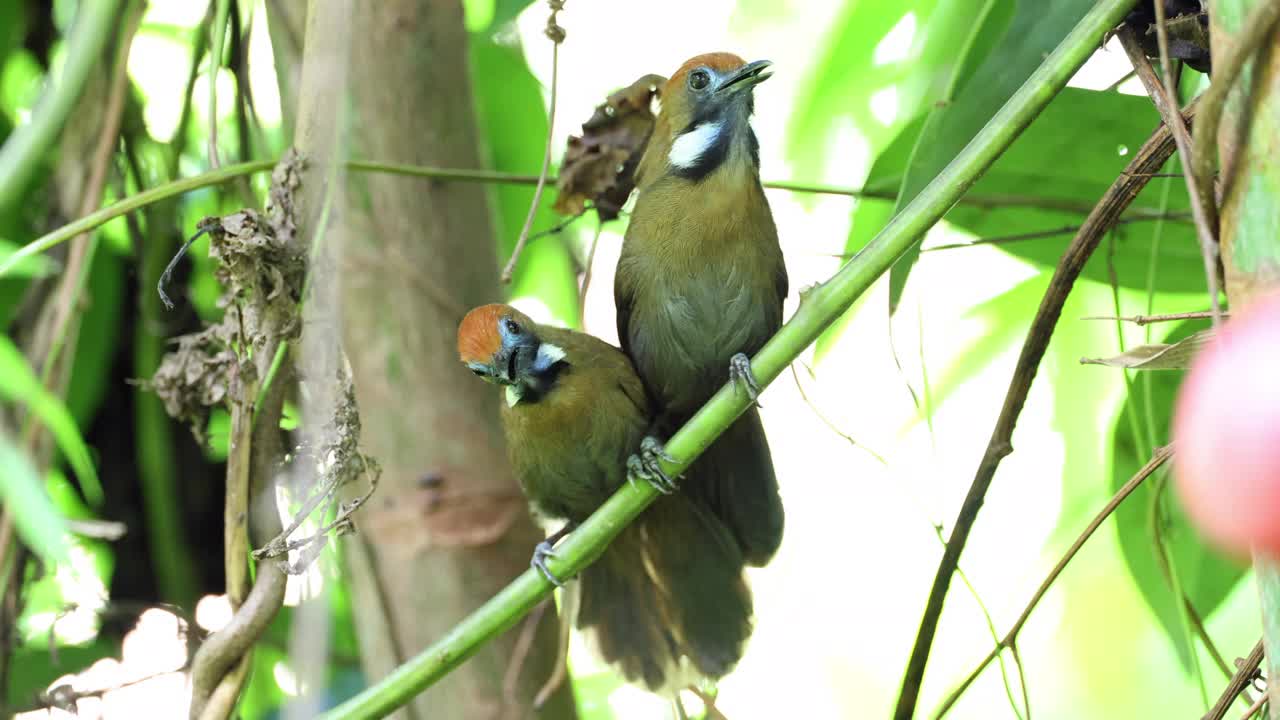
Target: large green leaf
x=513, y=121
x=935, y=66
x=1065, y=160
x=19, y=384
x=1204, y=576
x=40, y=526
x=98, y=344
x=33, y=669
x=1036, y=29
x=898, y=57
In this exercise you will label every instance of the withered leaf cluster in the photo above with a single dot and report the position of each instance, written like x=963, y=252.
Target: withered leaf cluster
x=261, y=267
x=599, y=165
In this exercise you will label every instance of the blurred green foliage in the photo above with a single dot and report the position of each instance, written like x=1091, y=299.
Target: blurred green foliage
x=914, y=80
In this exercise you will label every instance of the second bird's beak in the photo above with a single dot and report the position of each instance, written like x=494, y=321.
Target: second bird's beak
x=745, y=77
x=499, y=373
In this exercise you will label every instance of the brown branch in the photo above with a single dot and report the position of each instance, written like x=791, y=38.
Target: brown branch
x=1248, y=669
x=221, y=666
x=1226, y=69
x=1153, y=153
x=1254, y=708
x=1204, y=209
x=556, y=34
x=266, y=314
x=1149, y=319
x=225, y=650
x=1010, y=639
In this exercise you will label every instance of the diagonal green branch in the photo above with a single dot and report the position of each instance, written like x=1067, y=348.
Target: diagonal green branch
x=819, y=307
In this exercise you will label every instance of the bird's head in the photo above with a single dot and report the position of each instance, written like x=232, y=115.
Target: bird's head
x=706, y=109
x=501, y=345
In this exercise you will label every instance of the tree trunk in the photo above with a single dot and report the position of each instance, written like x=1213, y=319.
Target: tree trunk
x=448, y=527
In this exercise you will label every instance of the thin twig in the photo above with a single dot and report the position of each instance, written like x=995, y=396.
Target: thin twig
x=1039, y=234
x=1255, y=708
x=973, y=199
x=1149, y=319
x=1226, y=69
x=174, y=188
x=1165, y=97
x=520, y=653
x=1245, y=674
x=569, y=602
x=1161, y=456
x=831, y=425
x=1153, y=153
x=556, y=34
x=1122, y=80
x=586, y=275
x=97, y=529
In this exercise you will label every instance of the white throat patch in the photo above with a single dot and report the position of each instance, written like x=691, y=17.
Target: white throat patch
x=549, y=354
x=689, y=147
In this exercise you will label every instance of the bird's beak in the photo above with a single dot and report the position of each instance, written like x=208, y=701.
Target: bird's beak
x=746, y=77
x=488, y=373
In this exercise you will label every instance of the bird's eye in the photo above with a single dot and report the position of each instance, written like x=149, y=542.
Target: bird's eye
x=699, y=79
x=479, y=372
x=512, y=326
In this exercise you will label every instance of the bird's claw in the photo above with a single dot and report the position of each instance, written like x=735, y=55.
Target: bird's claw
x=646, y=465
x=541, y=552
x=741, y=376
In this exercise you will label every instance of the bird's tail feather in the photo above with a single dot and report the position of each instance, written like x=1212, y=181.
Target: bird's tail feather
x=735, y=481
x=668, y=596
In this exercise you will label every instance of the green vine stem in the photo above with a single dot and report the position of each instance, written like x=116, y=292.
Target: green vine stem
x=819, y=307
x=231, y=172
x=132, y=203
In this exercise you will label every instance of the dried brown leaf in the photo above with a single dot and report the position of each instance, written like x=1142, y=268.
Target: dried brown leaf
x=1158, y=356
x=599, y=166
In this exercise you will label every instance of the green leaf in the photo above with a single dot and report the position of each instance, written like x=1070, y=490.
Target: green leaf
x=945, y=31
x=1036, y=29
x=1005, y=323
x=504, y=11
x=883, y=65
x=19, y=384
x=514, y=124
x=33, y=669
x=1099, y=149
x=40, y=526
x=1204, y=576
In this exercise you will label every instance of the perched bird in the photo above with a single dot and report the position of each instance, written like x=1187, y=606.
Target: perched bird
x=700, y=285
x=668, y=594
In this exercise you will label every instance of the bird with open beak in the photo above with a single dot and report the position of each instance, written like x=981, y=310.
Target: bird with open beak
x=667, y=601
x=700, y=285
